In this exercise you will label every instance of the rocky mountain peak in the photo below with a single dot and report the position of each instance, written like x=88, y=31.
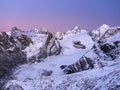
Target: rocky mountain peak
x=15, y=32
x=77, y=28
x=104, y=26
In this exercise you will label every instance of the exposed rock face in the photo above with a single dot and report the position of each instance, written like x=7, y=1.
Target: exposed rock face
x=10, y=54
x=59, y=35
x=46, y=73
x=52, y=45
x=49, y=48
x=14, y=87
x=63, y=66
x=4, y=42
x=100, y=53
x=43, y=31
x=79, y=45
x=24, y=40
x=15, y=32
x=11, y=59
x=84, y=63
x=20, y=37
x=75, y=30
x=97, y=34
x=107, y=48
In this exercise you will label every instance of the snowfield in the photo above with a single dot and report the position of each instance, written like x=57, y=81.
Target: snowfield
x=29, y=77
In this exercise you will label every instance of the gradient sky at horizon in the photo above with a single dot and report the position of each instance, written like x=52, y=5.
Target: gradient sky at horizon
x=58, y=15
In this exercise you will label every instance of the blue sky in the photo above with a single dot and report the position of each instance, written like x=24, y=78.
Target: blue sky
x=58, y=15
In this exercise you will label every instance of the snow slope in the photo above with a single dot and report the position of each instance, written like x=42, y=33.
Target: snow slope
x=67, y=42
x=29, y=77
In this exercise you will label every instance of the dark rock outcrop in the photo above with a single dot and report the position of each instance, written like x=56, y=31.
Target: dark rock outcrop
x=46, y=73
x=79, y=45
x=15, y=32
x=107, y=48
x=63, y=66
x=84, y=63
x=24, y=40
x=5, y=40
x=11, y=55
x=50, y=47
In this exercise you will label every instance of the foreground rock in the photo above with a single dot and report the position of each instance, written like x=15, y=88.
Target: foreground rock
x=11, y=54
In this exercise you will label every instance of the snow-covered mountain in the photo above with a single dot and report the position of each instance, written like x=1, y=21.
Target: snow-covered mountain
x=75, y=60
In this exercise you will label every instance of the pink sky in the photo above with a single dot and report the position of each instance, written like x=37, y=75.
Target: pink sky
x=58, y=15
